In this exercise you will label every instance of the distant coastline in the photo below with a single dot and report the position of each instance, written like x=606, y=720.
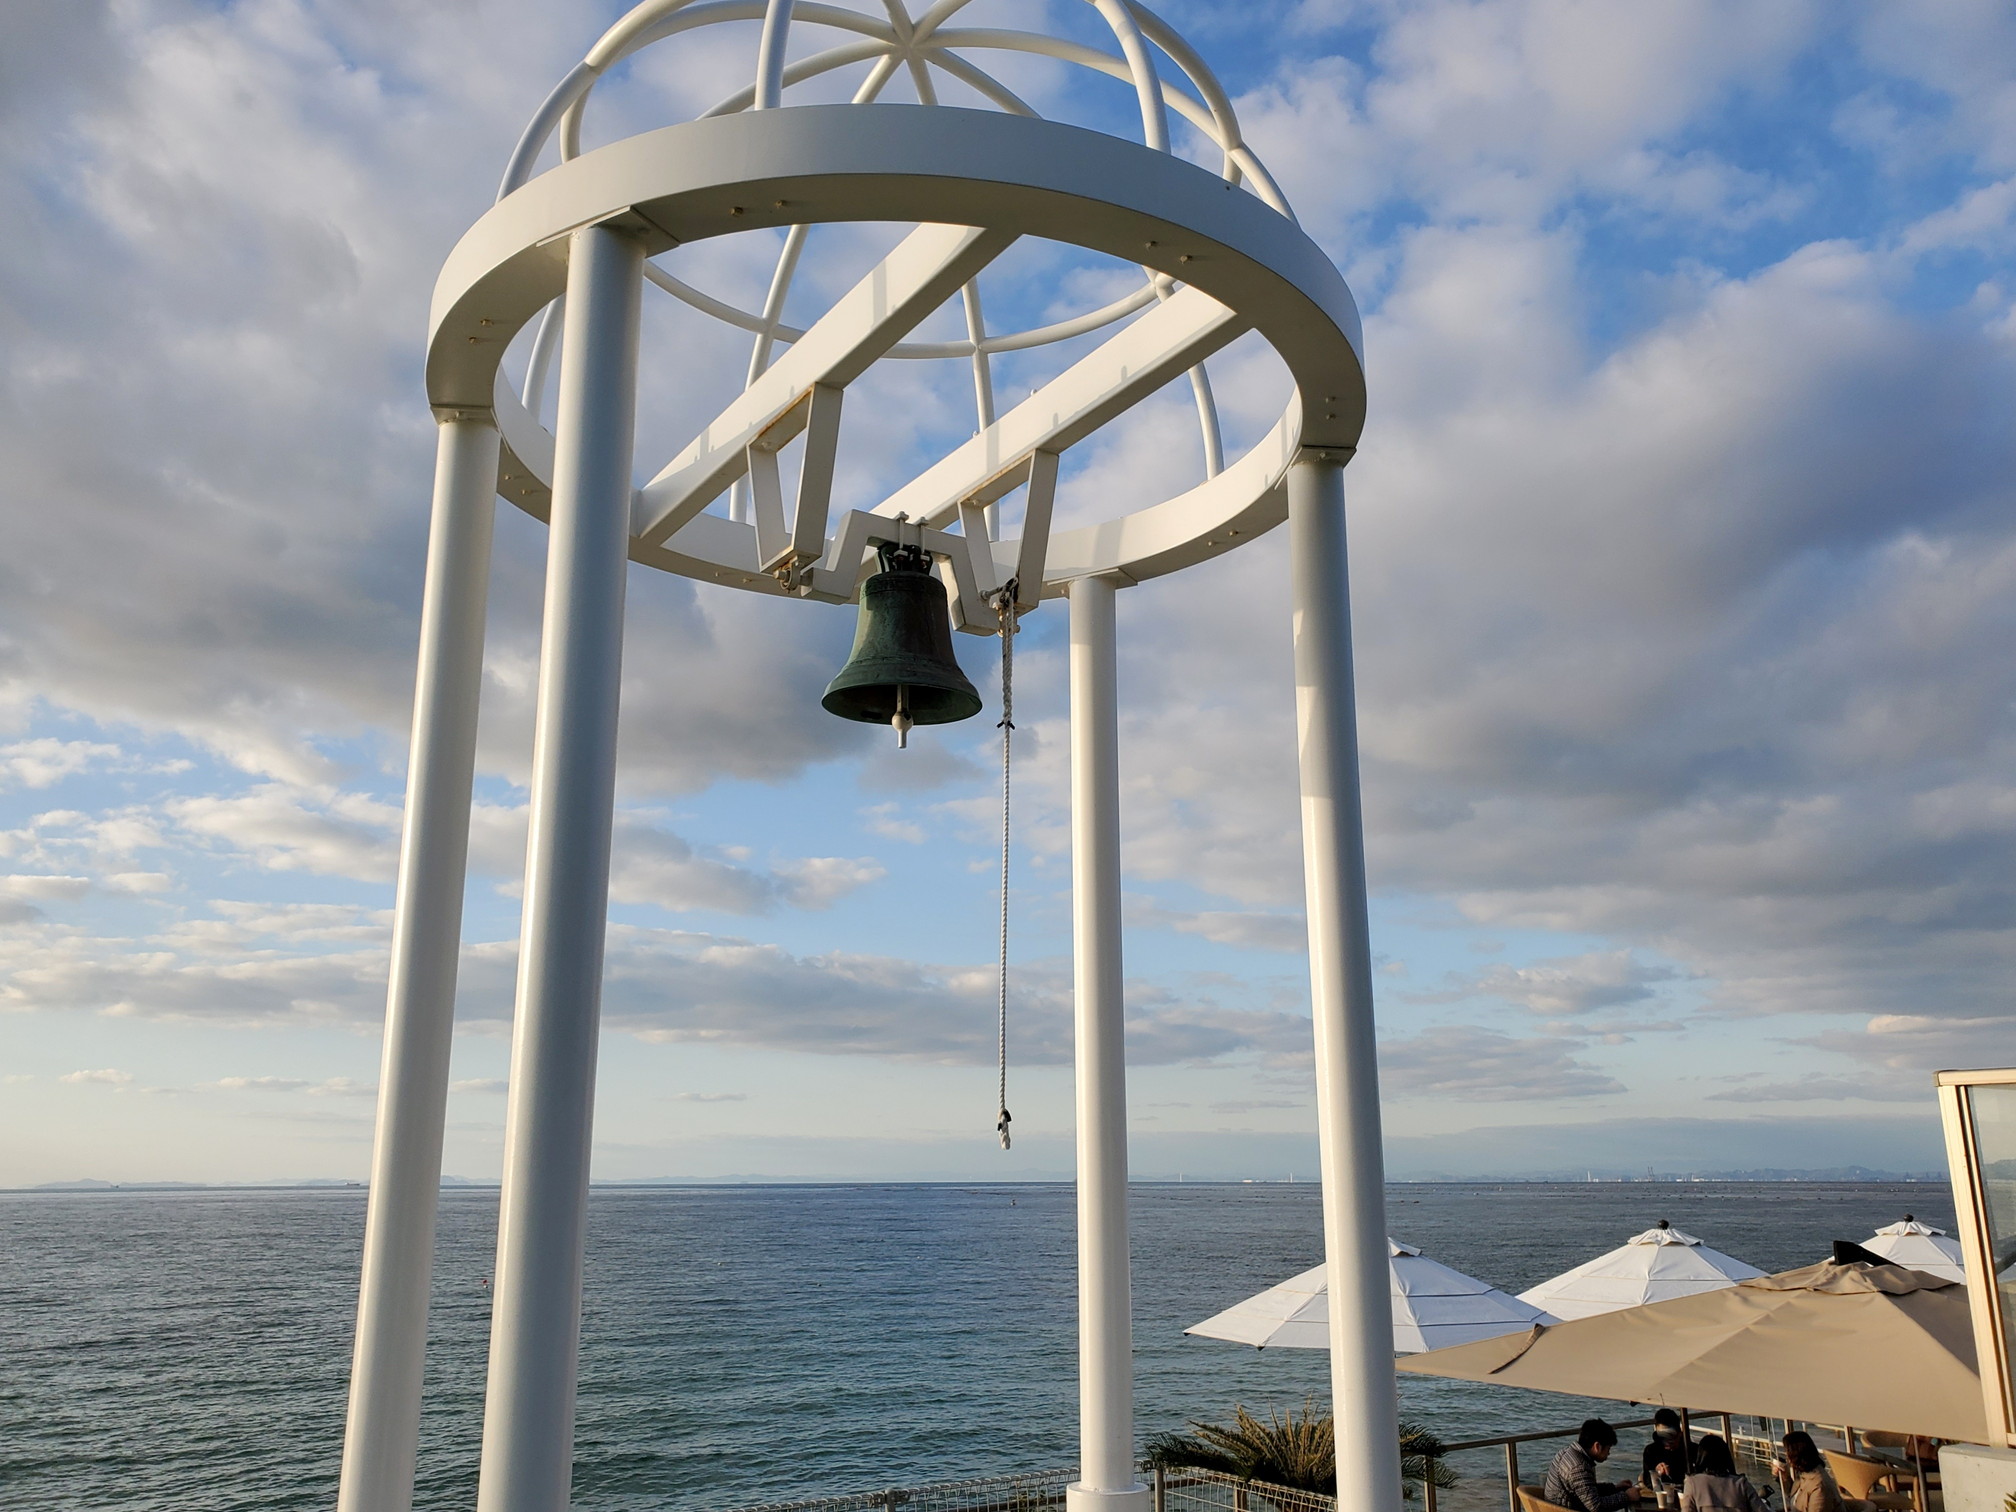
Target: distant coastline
x=1835, y=1176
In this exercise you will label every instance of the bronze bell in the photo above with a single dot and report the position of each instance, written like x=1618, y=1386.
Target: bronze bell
x=902, y=671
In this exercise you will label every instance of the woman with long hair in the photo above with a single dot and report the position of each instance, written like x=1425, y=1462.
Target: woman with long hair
x=1712, y=1483
x=1811, y=1486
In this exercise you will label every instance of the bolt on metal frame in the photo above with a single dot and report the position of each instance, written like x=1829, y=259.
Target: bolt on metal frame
x=572, y=248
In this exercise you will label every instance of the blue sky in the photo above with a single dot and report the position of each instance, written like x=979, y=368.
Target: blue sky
x=1683, y=567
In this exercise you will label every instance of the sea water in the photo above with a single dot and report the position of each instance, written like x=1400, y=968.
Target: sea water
x=189, y=1350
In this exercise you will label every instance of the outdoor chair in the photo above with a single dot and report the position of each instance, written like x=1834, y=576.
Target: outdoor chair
x=1864, y=1480
x=1531, y=1500
x=1920, y=1453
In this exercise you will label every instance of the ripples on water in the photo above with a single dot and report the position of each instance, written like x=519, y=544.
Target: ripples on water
x=189, y=1351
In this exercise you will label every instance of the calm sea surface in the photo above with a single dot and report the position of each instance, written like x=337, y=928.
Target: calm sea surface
x=189, y=1351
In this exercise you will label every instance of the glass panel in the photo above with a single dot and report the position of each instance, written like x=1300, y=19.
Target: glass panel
x=1994, y=1117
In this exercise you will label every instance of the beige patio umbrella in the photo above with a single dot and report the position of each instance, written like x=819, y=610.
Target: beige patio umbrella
x=1872, y=1346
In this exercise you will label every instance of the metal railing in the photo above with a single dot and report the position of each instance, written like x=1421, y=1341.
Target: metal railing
x=1214, y=1491
x=1754, y=1441
x=1035, y=1491
x=1174, y=1491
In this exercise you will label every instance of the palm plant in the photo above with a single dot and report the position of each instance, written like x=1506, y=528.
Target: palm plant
x=1287, y=1449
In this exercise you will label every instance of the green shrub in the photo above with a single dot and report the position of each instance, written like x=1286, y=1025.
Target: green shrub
x=1285, y=1449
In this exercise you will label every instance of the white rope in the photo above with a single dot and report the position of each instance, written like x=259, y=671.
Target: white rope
x=1004, y=607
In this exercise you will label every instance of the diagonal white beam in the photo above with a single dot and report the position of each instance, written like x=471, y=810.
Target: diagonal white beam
x=1160, y=346
x=926, y=269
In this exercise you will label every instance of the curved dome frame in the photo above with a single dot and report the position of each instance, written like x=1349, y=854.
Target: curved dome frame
x=1243, y=267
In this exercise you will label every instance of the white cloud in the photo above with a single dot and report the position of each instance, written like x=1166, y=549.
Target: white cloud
x=1819, y=1088
x=1962, y=51
x=288, y=829
x=107, y=1077
x=44, y=887
x=1712, y=674
x=1474, y=1064
x=139, y=882
x=653, y=865
x=682, y=987
x=1246, y=929
x=1902, y=1050
x=335, y=1086
x=43, y=763
x=332, y=833
x=821, y=881
x=1502, y=110
x=262, y=1084
x=661, y=985
x=1564, y=987
x=885, y=819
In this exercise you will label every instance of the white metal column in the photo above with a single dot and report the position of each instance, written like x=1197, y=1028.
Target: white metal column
x=535, y=1330
x=1340, y=980
x=1106, y=1478
x=380, y=1442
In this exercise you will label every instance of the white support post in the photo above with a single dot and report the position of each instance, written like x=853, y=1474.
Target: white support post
x=382, y=1437
x=1340, y=978
x=535, y=1331
x=1106, y=1479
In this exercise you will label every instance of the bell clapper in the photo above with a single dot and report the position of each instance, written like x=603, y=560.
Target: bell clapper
x=901, y=718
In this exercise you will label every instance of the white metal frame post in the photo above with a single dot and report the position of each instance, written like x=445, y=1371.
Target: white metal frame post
x=382, y=1439
x=1106, y=1476
x=1340, y=981
x=535, y=1331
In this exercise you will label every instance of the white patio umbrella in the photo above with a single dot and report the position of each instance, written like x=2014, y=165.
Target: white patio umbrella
x=1656, y=1266
x=1919, y=1246
x=1433, y=1307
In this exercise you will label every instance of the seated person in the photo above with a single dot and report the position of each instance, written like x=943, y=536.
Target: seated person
x=1667, y=1456
x=1713, y=1484
x=1812, y=1486
x=1571, y=1479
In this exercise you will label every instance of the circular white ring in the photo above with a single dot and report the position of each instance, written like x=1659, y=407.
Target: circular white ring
x=812, y=164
